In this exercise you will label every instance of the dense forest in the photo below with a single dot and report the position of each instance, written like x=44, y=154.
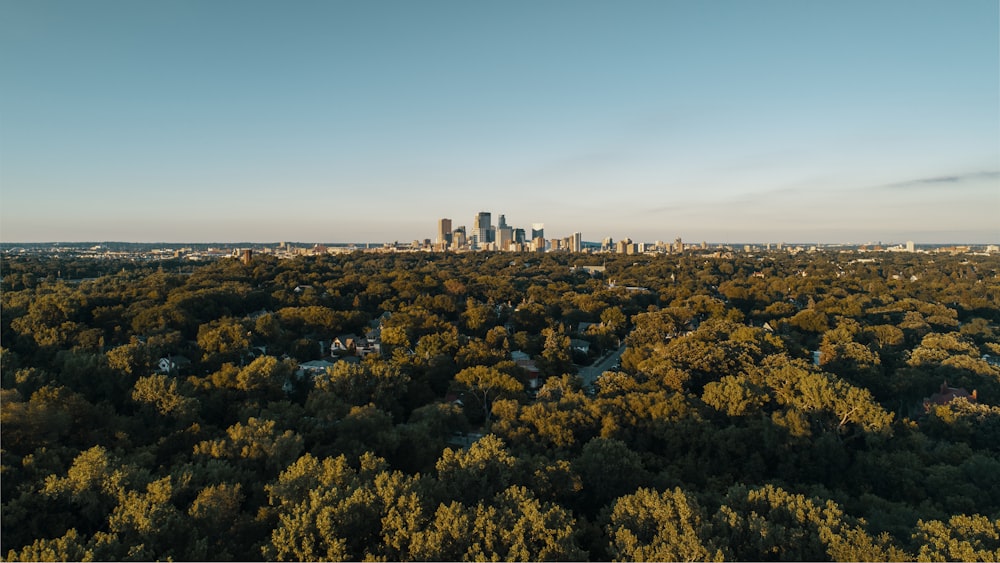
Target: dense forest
x=811, y=406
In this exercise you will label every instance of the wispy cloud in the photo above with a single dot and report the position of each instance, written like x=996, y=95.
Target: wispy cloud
x=938, y=180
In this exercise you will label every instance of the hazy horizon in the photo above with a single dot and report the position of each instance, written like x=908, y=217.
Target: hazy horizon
x=771, y=121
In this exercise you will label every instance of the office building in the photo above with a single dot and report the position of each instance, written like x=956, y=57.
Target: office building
x=482, y=228
x=444, y=232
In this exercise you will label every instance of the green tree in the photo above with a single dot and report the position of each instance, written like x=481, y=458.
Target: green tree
x=772, y=524
x=69, y=547
x=224, y=340
x=258, y=439
x=608, y=469
x=478, y=473
x=659, y=526
x=486, y=384
x=162, y=394
x=962, y=538
x=520, y=528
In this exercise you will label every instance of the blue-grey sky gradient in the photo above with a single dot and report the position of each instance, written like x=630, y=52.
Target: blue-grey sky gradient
x=337, y=121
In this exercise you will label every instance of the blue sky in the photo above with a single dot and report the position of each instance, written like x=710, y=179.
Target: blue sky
x=335, y=121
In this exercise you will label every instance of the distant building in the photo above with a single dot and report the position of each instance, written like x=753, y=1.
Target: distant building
x=623, y=245
x=458, y=238
x=444, y=232
x=172, y=364
x=504, y=234
x=946, y=395
x=343, y=343
x=482, y=228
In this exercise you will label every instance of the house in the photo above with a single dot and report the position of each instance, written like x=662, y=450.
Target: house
x=379, y=322
x=580, y=345
x=534, y=375
x=519, y=356
x=344, y=343
x=992, y=360
x=946, y=395
x=172, y=364
x=370, y=343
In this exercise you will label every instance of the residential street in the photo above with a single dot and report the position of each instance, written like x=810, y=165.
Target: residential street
x=590, y=373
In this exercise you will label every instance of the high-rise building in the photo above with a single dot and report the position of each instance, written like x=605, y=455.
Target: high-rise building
x=623, y=245
x=458, y=239
x=482, y=229
x=537, y=230
x=444, y=232
x=678, y=245
x=576, y=244
x=504, y=236
x=910, y=247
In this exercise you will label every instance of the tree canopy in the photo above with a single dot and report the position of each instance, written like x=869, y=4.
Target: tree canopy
x=829, y=405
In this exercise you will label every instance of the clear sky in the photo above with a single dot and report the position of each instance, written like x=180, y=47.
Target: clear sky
x=343, y=121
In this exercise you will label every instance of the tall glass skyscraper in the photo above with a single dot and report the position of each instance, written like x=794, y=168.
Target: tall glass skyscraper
x=482, y=228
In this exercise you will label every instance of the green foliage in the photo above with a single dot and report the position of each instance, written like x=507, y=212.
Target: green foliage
x=771, y=524
x=485, y=384
x=962, y=538
x=659, y=526
x=715, y=437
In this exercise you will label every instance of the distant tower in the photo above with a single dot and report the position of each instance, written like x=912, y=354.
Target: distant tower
x=482, y=228
x=247, y=256
x=910, y=246
x=537, y=230
x=504, y=236
x=678, y=245
x=577, y=243
x=458, y=238
x=444, y=232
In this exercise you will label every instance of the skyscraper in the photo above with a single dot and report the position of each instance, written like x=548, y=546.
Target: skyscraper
x=577, y=243
x=482, y=228
x=537, y=230
x=458, y=238
x=444, y=231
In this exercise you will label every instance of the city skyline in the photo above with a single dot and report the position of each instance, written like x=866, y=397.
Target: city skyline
x=256, y=121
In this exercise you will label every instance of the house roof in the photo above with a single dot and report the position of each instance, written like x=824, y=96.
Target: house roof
x=948, y=394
